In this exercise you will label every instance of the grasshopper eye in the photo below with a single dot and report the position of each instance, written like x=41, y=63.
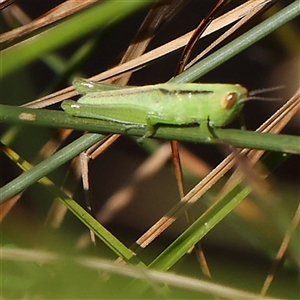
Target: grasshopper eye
x=229, y=100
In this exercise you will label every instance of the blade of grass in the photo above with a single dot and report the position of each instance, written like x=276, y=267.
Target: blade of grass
x=176, y=281
x=61, y=11
x=101, y=15
x=238, y=138
x=104, y=235
x=207, y=221
x=49, y=164
x=239, y=44
x=217, y=24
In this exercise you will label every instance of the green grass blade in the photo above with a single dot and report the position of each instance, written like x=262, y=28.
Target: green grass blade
x=239, y=44
x=49, y=164
x=32, y=173
x=238, y=138
x=216, y=213
x=98, y=16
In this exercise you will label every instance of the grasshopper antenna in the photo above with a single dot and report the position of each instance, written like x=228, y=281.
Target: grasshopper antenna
x=254, y=95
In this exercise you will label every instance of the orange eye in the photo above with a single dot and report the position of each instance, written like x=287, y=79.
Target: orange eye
x=229, y=100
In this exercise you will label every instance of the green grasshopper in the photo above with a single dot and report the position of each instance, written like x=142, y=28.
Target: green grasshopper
x=151, y=105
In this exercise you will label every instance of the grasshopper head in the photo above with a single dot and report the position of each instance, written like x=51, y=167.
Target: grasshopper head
x=230, y=103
